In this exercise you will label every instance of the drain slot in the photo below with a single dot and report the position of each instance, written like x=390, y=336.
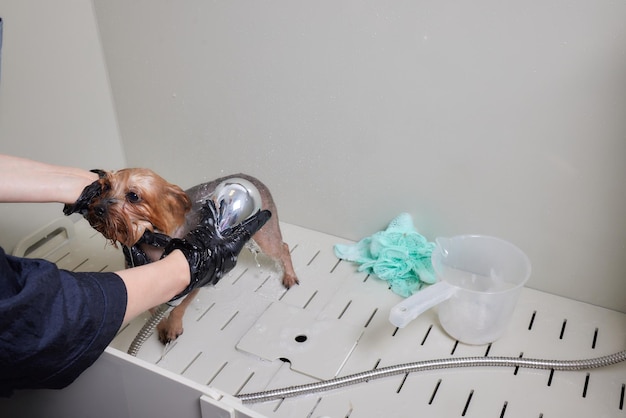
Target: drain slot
x=310, y=299
x=488, y=350
x=314, y=407
x=335, y=266
x=517, y=367
x=467, y=404
x=532, y=320
x=432, y=397
x=586, y=386
x=229, y=321
x=456, y=344
x=344, y=310
x=216, y=374
x=427, y=334
x=240, y=276
x=563, y=329
x=503, y=409
x=371, y=317
x=402, y=383
x=311, y=260
x=595, y=339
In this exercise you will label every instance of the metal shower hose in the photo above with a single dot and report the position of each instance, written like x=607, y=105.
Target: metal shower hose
x=405, y=368
x=147, y=329
x=432, y=365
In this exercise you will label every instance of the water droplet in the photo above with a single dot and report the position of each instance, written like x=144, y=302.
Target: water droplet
x=256, y=259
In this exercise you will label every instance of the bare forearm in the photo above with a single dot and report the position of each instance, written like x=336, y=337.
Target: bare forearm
x=23, y=180
x=155, y=283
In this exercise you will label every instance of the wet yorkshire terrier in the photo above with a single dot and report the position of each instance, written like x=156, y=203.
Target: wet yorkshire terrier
x=142, y=211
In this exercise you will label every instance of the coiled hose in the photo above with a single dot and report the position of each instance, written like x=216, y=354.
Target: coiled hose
x=432, y=365
x=147, y=329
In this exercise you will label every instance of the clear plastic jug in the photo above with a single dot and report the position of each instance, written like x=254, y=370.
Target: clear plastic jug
x=480, y=279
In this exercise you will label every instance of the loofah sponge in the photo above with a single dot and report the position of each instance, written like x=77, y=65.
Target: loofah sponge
x=399, y=255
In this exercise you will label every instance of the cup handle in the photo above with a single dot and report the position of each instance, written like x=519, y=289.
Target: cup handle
x=411, y=307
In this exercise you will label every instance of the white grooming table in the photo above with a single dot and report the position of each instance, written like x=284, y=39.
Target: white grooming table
x=249, y=334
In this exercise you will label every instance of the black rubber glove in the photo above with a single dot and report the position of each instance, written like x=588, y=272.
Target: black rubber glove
x=88, y=194
x=135, y=256
x=212, y=253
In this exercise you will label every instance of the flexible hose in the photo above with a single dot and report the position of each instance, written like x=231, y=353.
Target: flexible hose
x=432, y=365
x=147, y=329
x=405, y=368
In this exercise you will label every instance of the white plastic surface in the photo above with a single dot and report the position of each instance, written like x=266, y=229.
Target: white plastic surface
x=224, y=317
x=121, y=386
x=72, y=246
x=292, y=334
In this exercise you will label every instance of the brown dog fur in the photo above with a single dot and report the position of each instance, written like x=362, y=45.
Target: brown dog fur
x=137, y=199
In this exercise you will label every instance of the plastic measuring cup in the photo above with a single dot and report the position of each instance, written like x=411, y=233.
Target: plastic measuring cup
x=480, y=279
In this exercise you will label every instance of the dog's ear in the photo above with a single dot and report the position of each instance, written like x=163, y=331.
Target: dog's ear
x=175, y=204
x=177, y=200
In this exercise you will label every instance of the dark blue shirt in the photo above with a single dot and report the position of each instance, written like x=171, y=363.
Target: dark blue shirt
x=53, y=323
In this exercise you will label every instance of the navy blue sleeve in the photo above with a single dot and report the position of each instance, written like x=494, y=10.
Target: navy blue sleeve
x=53, y=323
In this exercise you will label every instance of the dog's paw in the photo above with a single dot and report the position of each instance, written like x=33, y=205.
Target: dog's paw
x=170, y=328
x=289, y=280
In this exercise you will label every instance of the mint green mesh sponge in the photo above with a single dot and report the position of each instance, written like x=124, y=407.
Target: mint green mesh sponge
x=399, y=255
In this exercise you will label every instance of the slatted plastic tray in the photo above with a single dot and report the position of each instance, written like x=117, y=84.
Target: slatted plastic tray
x=249, y=334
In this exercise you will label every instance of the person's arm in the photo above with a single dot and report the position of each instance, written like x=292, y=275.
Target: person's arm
x=23, y=180
x=152, y=284
x=200, y=258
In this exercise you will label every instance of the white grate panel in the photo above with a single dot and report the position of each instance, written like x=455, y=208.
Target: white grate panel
x=544, y=326
x=250, y=298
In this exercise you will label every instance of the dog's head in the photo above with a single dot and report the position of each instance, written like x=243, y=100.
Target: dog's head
x=134, y=200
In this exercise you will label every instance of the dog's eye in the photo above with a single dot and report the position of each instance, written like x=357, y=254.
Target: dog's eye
x=132, y=197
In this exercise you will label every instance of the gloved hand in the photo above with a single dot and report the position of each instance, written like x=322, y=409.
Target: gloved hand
x=211, y=253
x=86, y=197
x=135, y=256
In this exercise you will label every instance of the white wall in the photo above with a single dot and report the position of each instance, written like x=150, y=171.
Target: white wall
x=486, y=117
x=55, y=101
x=501, y=118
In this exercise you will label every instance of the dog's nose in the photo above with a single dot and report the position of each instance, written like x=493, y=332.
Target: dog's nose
x=100, y=210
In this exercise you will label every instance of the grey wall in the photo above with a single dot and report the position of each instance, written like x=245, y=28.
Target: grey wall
x=55, y=101
x=501, y=118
